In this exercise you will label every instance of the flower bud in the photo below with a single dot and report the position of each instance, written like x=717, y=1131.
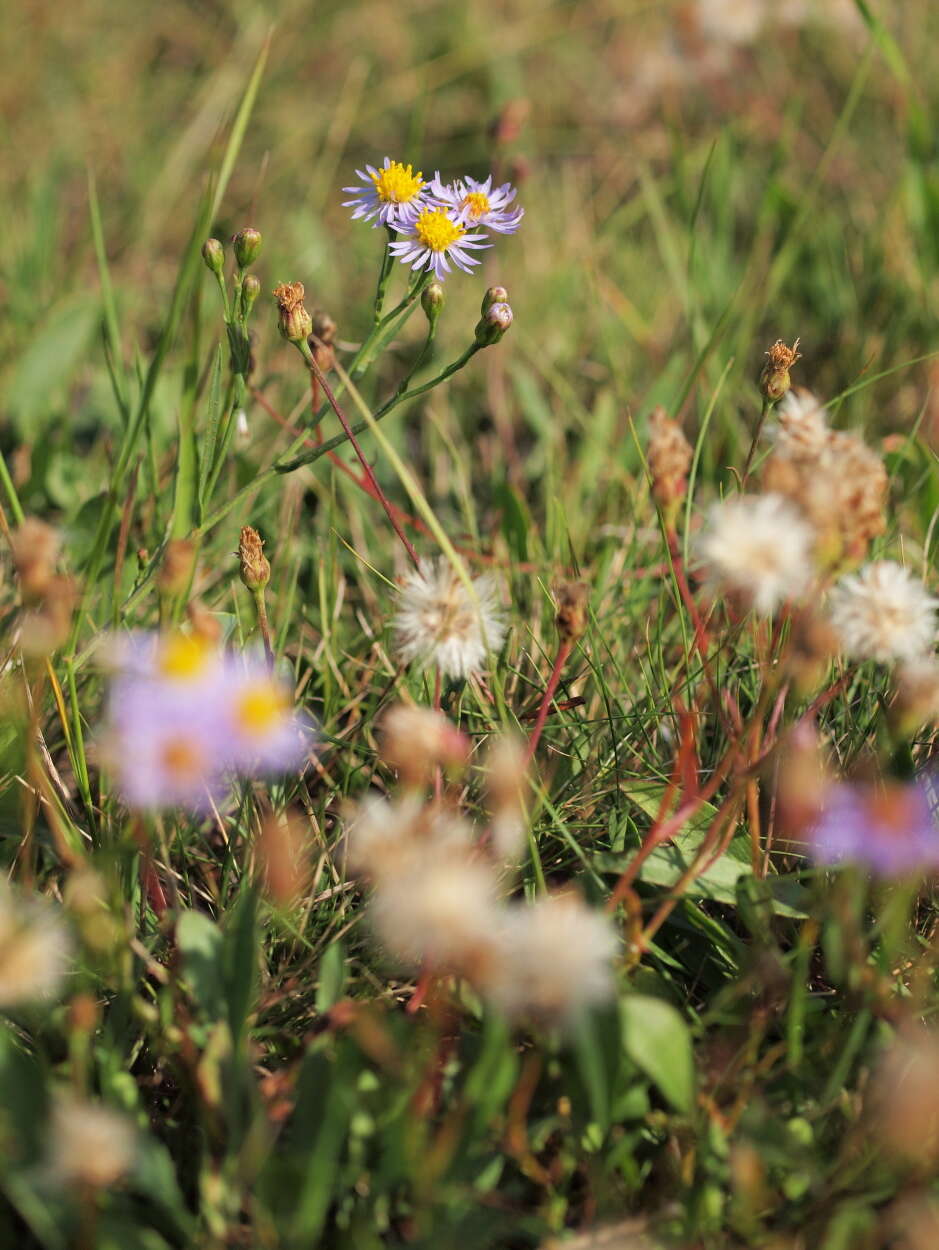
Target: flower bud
x=247, y=247
x=669, y=455
x=433, y=298
x=214, y=255
x=294, y=320
x=250, y=290
x=178, y=567
x=493, y=324
x=774, y=380
x=324, y=328
x=571, y=619
x=495, y=295
x=255, y=568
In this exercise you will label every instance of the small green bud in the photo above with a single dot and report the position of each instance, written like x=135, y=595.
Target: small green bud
x=433, y=298
x=250, y=290
x=214, y=255
x=493, y=324
x=293, y=319
x=495, y=295
x=247, y=247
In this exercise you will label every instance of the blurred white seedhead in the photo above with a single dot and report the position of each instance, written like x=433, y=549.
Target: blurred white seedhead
x=35, y=949
x=507, y=785
x=758, y=550
x=553, y=960
x=439, y=912
x=883, y=613
x=384, y=836
x=442, y=621
x=418, y=740
x=89, y=1144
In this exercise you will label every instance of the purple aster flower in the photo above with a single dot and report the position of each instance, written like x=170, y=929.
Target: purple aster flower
x=265, y=733
x=477, y=204
x=393, y=195
x=890, y=828
x=164, y=747
x=434, y=238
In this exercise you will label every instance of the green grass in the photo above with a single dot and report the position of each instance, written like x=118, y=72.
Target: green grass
x=279, y=1086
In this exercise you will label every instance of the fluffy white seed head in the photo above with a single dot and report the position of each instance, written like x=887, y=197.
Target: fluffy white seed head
x=439, y=911
x=758, y=549
x=35, y=949
x=507, y=785
x=441, y=621
x=384, y=836
x=418, y=740
x=90, y=1145
x=801, y=428
x=553, y=959
x=883, y=613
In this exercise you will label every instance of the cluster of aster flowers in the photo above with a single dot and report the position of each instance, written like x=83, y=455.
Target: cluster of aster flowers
x=441, y=223
x=183, y=715
x=437, y=904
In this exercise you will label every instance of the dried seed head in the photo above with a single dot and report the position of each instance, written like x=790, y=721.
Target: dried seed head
x=36, y=547
x=669, y=455
x=571, y=620
x=506, y=787
x=418, y=740
x=324, y=328
x=862, y=491
x=45, y=627
x=282, y=858
x=916, y=695
x=774, y=380
x=91, y=1145
x=294, y=321
x=813, y=644
x=255, y=569
x=176, y=572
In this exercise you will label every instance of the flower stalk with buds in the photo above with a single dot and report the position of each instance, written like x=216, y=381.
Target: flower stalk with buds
x=255, y=573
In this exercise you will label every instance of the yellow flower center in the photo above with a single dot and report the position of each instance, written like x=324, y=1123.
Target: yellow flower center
x=477, y=203
x=436, y=230
x=260, y=709
x=183, y=657
x=181, y=757
x=398, y=183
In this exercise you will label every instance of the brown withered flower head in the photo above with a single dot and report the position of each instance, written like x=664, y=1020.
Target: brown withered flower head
x=255, y=569
x=774, y=380
x=669, y=455
x=178, y=566
x=36, y=547
x=294, y=321
x=571, y=619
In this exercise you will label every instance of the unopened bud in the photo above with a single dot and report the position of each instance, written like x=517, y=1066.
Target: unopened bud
x=178, y=566
x=324, y=328
x=493, y=324
x=214, y=255
x=247, y=247
x=669, y=455
x=255, y=569
x=495, y=295
x=294, y=321
x=35, y=552
x=571, y=619
x=250, y=290
x=774, y=380
x=433, y=298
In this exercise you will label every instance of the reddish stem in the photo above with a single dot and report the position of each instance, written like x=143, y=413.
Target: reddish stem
x=366, y=467
x=563, y=652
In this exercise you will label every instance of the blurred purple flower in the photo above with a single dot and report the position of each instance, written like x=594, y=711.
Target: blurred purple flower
x=889, y=828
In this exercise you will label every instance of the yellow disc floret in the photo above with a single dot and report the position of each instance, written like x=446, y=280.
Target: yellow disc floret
x=183, y=657
x=436, y=230
x=476, y=203
x=260, y=708
x=397, y=184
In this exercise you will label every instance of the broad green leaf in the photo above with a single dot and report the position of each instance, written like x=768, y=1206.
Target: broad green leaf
x=656, y=1038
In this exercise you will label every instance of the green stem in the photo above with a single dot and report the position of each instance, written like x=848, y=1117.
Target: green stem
x=15, y=506
x=384, y=274
x=756, y=438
